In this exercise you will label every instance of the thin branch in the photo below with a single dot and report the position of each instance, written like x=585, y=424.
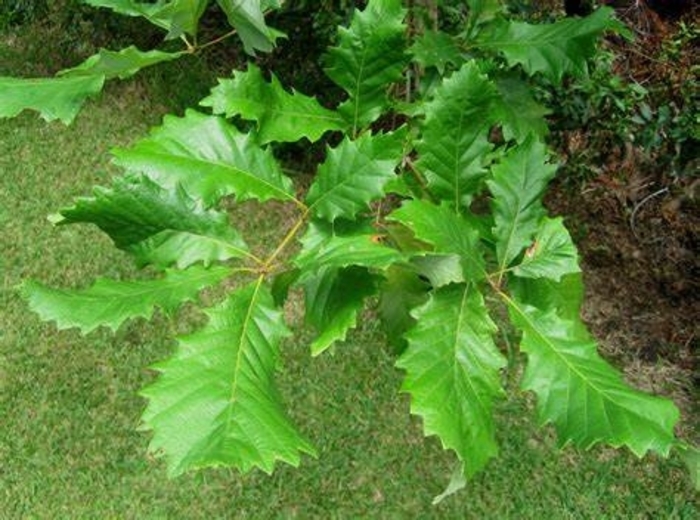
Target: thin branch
x=191, y=49
x=223, y=37
x=287, y=239
x=215, y=41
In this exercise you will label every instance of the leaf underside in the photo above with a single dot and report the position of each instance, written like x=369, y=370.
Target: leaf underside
x=177, y=17
x=402, y=290
x=248, y=18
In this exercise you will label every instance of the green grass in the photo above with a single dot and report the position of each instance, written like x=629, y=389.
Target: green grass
x=69, y=445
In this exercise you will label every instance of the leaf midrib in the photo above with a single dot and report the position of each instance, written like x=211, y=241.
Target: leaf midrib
x=572, y=368
x=456, y=365
x=348, y=180
x=230, y=170
x=261, y=107
x=240, y=352
x=172, y=284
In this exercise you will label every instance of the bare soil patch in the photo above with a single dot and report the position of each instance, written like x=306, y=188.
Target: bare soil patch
x=636, y=225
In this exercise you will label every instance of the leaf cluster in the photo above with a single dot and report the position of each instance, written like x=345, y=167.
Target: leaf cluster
x=394, y=213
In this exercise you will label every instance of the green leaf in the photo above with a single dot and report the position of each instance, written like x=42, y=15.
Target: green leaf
x=210, y=158
x=248, y=18
x=336, y=246
x=215, y=402
x=581, y=394
x=53, y=98
x=452, y=373
x=182, y=16
x=564, y=297
x=554, y=49
x=178, y=17
x=280, y=115
x=483, y=11
x=440, y=269
x=518, y=183
x=354, y=174
x=552, y=254
x=281, y=284
x=436, y=49
x=130, y=7
x=333, y=299
x=369, y=57
x=401, y=291
x=111, y=303
x=517, y=111
x=454, y=142
x=158, y=226
x=122, y=64
x=445, y=229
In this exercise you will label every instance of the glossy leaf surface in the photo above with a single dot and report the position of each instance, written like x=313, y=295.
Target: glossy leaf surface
x=552, y=253
x=517, y=185
x=215, y=402
x=280, y=115
x=581, y=394
x=517, y=110
x=452, y=373
x=445, y=229
x=369, y=57
x=554, y=49
x=454, y=143
x=158, y=226
x=436, y=49
x=353, y=174
x=209, y=157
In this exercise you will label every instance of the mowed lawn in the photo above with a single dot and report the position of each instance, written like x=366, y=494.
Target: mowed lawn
x=69, y=405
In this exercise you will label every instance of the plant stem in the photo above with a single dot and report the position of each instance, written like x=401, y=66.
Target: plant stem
x=216, y=40
x=286, y=240
x=190, y=47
